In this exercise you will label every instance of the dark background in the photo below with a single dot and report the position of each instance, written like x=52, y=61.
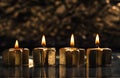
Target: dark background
x=28, y=20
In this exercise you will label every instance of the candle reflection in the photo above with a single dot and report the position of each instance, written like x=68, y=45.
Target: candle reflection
x=12, y=72
x=62, y=71
x=65, y=72
x=98, y=72
x=55, y=72
x=39, y=72
x=51, y=72
x=25, y=72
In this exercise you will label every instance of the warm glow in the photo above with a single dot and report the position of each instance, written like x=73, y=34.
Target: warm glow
x=16, y=44
x=72, y=42
x=43, y=43
x=115, y=8
x=118, y=4
x=97, y=41
x=107, y=1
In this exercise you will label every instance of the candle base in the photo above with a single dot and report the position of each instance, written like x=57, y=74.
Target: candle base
x=44, y=56
x=71, y=56
x=15, y=57
x=98, y=57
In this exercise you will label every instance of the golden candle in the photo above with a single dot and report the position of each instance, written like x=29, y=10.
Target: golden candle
x=98, y=56
x=71, y=56
x=16, y=56
x=43, y=56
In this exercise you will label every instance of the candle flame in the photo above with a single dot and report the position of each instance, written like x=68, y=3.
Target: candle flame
x=43, y=43
x=97, y=41
x=72, y=42
x=16, y=44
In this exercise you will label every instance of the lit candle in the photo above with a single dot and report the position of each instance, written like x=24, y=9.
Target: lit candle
x=44, y=56
x=16, y=56
x=71, y=56
x=39, y=54
x=22, y=54
x=98, y=56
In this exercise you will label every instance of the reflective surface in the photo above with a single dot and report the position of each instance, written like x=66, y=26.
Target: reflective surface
x=62, y=71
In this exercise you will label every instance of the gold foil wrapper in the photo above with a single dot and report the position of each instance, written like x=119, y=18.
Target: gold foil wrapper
x=70, y=56
x=44, y=56
x=98, y=57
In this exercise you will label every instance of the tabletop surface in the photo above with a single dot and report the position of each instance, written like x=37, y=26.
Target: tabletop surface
x=63, y=72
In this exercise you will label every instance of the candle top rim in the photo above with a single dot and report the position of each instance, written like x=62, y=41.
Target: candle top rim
x=71, y=47
x=99, y=48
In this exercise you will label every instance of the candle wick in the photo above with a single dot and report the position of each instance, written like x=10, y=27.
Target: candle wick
x=43, y=45
x=97, y=45
x=72, y=46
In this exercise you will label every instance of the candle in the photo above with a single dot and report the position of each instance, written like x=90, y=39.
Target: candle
x=71, y=56
x=44, y=56
x=16, y=56
x=98, y=56
x=22, y=55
